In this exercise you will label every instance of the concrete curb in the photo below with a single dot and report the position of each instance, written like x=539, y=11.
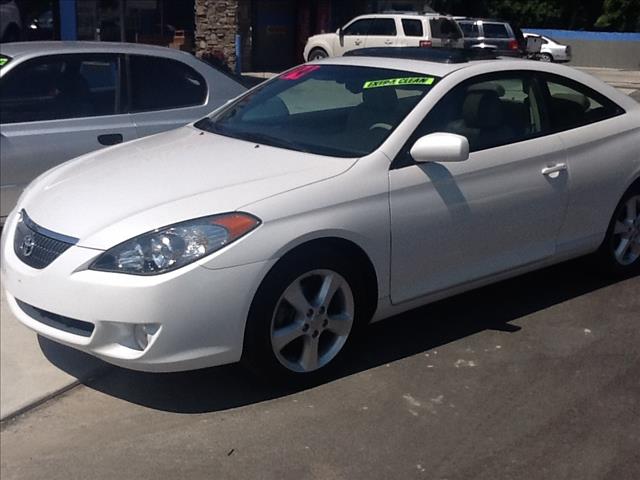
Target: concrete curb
x=37, y=401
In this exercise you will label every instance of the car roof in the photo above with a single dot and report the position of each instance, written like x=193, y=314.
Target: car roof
x=474, y=19
x=408, y=15
x=31, y=49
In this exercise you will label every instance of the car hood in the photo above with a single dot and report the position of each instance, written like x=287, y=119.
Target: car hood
x=323, y=36
x=109, y=196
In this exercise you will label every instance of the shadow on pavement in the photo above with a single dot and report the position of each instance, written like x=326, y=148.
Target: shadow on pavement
x=220, y=388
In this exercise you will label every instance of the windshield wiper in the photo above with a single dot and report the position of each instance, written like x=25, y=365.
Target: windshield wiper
x=265, y=139
x=212, y=126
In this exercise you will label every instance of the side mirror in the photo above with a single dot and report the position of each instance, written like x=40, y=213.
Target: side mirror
x=341, y=35
x=440, y=147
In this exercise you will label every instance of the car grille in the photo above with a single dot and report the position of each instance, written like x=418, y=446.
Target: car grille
x=71, y=325
x=36, y=246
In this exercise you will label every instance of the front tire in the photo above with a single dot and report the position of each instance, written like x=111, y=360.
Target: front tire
x=545, y=57
x=303, y=317
x=620, y=251
x=317, y=54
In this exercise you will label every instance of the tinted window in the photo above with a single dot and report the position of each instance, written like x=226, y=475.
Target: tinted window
x=360, y=27
x=573, y=105
x=161, y=83
x=444, y=28
x=343, y=111
x=470, y=30
x=383, y=27
x=59, y=87
x=495, y=30
x=412, y=28
x=490, y=111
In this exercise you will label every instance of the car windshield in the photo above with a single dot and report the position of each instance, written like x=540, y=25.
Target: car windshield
x=341, y=111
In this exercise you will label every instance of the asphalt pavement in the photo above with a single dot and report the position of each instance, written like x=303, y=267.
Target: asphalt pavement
x=535, y=377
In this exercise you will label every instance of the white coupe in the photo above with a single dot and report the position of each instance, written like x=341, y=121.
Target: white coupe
x=338, y=193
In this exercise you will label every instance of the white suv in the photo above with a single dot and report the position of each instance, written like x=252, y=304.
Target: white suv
x=386, y=30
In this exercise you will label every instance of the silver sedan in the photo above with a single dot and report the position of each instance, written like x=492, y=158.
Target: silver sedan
x=59, y=100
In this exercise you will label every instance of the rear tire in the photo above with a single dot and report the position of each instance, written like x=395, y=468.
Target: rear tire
x=545, y=57
x=304, y=317
x=619, y=254
x=317, y=54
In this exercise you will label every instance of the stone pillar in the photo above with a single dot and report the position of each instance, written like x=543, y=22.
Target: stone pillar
x=216, y=28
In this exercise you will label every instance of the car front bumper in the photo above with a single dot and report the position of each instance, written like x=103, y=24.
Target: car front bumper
x=198, y=314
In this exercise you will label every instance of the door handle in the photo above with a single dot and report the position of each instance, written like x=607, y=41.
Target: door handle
x=388, y=42
x=110, y=139
x=554, y=169
x=358, y=42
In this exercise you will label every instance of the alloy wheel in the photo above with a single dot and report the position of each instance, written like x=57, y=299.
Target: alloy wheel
x=626, y=232
x=312, y=320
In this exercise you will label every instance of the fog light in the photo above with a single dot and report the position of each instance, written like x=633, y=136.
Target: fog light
x=143, y=334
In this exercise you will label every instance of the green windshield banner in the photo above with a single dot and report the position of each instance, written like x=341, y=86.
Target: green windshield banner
x=392, y=82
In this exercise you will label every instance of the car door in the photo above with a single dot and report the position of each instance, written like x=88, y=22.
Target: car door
x=55, y=108
x=382, y=33
x=354, y=36
x=164, y=94
x=501, y=209
x=601, y=144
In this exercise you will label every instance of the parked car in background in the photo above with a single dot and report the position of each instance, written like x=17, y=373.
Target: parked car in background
x=501, y=37
x=338, y=193
x=10, y=22
x=59, y=100
x=550, y=50
x=386, y=30
x=41, y=26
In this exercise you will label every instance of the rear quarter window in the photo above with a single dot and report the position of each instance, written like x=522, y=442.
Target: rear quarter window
x=495, y=30
x=571, y=104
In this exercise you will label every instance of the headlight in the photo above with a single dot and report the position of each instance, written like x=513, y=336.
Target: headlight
x=175, y=246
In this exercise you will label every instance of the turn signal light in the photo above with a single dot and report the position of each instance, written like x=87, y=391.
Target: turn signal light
x=425, y=43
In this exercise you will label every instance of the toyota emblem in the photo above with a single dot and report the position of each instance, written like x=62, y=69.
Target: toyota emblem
x=27, y=245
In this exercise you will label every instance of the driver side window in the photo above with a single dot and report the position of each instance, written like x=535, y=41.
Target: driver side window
x=358, y=28
x=490, y=111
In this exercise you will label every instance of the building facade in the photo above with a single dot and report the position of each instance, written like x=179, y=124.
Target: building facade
x=270, y=35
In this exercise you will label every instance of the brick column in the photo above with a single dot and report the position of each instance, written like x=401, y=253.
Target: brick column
x=216, y=28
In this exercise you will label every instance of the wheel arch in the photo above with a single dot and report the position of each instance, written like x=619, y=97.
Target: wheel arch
x=347, y=248
x=321, y=46
x=635, y=183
